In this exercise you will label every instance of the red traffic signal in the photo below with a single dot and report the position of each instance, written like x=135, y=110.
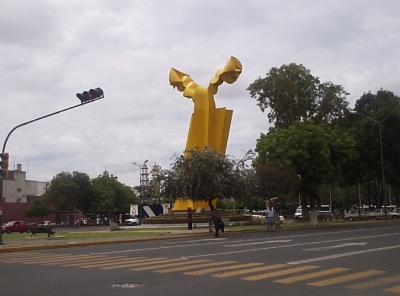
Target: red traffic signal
x=4, y=164
x=90, y=95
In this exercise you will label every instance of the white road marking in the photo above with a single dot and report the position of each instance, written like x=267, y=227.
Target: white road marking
x=249, y=240
x=198, y=240
x=337, y=246
x=291, y=245
x=317, y=234
x=259, y=243
x=343, y=255
x=155, y=248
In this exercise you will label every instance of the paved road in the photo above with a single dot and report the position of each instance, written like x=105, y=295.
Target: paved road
x=353, y=260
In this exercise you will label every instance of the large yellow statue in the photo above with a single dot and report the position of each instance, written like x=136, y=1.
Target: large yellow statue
x=209, y=126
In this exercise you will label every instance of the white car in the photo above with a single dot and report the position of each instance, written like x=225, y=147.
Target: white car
x=132, y=221
x=380, y=214
x=354, y=215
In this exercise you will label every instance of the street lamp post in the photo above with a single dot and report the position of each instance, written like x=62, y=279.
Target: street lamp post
x=85, y=98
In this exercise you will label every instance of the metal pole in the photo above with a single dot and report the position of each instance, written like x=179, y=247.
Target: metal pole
x=359, y=200
x=28, y=122
x=382, y=169
x=1, y=223
x=42, y=117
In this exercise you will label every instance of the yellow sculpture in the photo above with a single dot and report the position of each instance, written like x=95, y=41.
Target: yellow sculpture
x=209, y=126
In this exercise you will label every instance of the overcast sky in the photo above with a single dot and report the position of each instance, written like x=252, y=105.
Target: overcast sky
x=50, y=50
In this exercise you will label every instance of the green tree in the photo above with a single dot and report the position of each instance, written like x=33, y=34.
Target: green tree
x=155, y=184
x=370, y=103
x=292, y=94
x=274, y=180
x=317, y=154
x=383, y=107
x=109, y=195
x=39, y=208
x=69, y=191
x=203, y=175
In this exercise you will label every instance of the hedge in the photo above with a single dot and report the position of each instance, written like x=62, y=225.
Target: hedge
x=183, y=219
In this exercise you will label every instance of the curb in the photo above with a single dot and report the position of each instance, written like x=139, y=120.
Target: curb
x=12, y=249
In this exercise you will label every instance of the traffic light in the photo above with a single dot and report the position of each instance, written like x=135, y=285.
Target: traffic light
x=90, y=95
x=4, y=164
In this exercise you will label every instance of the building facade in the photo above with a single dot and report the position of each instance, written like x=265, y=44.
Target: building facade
x=17, y=189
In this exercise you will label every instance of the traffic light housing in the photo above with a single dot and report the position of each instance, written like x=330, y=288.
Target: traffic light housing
x=93, y=94
x=4, y=164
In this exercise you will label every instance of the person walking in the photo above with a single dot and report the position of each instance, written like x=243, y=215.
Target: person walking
x=270, y=215
x=218, y=223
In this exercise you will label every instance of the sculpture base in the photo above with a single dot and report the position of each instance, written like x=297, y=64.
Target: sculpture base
x=182, y=204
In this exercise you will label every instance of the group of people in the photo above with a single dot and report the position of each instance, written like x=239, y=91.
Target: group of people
x=271, y=217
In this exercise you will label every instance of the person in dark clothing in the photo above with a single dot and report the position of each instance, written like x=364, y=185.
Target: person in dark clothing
x=218, y=223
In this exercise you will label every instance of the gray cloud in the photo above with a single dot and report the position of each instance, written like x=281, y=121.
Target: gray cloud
x=52, y=49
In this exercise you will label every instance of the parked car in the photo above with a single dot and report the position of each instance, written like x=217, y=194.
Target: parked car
x=380, y=214
x=299, y=213
x=132, y=221
x=15, y=226
x=48, y=223
x=262, y=215
x=393, y=215
x=356, y=214
x=42, y=227
x=324, y=212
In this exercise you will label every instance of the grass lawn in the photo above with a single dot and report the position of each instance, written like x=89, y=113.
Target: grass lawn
x=70, y=235
x=157, y=232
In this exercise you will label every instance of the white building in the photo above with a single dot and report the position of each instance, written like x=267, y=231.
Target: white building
x=17, y=189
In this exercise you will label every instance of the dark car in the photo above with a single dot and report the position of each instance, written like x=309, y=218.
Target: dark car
x=42, y=227
x=15, y=226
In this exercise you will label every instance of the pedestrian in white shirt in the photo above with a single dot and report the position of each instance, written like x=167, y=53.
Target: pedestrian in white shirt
x=270, y=213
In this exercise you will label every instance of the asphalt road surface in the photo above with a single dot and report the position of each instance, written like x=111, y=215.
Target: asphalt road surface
x=351, y=260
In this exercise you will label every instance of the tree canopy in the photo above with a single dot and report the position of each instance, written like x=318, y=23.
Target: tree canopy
x=317, y=154
x=381, y=109
x=292, y=94
x=69, y=191
x=39, y=208
x=203, y=175
x=76, y=191
x=110, y=195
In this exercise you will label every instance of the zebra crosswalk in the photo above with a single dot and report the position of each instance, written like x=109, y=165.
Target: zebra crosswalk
x=309, y=276
x=284, y=274
x=191, y=266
